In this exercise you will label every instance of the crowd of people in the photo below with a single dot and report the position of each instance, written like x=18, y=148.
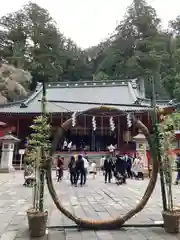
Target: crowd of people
x=78, y=167
x=122, y=167
x=119, y=167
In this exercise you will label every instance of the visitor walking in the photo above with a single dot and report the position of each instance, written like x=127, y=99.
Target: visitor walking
x=60, y=166
x=86, y=166
x=69, y=146
x=79, y=170
x=178, y=169
x=141, y=169
x=102, y=159
x=138, y=168
x=72, y=170
x=65, y=145
x=108, y=166
x=120, y=170
x=134, y=167
x=129, y=167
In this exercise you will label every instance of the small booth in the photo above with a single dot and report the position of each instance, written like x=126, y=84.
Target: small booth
x=141, y=149
x=8, y=142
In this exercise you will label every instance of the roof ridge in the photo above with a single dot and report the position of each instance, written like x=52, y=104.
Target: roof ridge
x=87, y=84
x=93, y=81
x=158, y=100
x=38, y=89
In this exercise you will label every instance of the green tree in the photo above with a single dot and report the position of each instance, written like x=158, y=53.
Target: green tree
x=45, y=42
x=30, y=39
x=39, y=143
x=13, y=40
x=145, y=48
x=175, y=78
x=138, y=48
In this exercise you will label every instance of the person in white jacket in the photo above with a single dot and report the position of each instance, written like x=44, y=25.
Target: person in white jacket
x=138, y=168
x=86, y=166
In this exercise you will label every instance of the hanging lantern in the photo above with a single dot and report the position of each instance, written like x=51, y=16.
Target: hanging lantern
x=129, y=122
x=94, y=123
x=74, y=119
x=111, y=123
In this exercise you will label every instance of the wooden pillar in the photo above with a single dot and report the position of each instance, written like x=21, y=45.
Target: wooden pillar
x=61, y=118
x=101, y=125
x=51, y=118
x=93, y=147
x=60, y=144
x=17, y=127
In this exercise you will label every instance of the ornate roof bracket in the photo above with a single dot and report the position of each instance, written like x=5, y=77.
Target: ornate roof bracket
x=33, y=96
x=23, y=105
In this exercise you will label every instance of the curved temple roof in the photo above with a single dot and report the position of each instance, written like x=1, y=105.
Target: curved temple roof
x=114, y=92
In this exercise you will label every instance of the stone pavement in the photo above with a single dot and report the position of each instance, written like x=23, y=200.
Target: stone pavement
x=96, y=200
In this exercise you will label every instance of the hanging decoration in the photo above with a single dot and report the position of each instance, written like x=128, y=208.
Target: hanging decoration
x=74, y=119
x=129, y=122
x=94, y=123
x=111, y=123
x=162, y=117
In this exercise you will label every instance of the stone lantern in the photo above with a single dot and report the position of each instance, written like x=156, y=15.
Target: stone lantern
x=141, y=148
x=8, y=141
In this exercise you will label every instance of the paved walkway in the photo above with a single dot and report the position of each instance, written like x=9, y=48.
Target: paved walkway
x=96, y=200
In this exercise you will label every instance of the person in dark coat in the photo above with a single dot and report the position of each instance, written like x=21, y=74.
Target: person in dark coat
x=80, y=170
x=121, y=166
x=60, y=166
x=129, y=166
x=72, y=170
x=108, y=167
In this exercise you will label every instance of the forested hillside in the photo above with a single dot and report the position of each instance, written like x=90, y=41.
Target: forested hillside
x=139, y=47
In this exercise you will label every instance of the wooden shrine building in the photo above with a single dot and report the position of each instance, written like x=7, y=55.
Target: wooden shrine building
x=81, y=96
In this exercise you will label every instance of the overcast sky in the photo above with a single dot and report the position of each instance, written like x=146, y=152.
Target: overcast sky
x=88, y=22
